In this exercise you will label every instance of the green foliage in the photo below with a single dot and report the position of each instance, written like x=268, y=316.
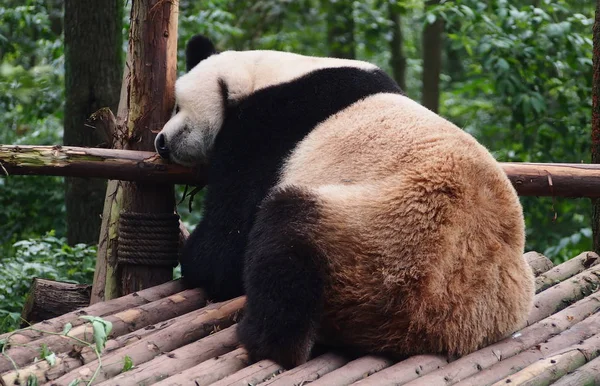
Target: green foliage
x=31, y=103
x=47, y=257
x=525, y=92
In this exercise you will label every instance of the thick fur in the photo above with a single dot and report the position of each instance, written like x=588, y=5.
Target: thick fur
x=246, y=159
x=345, y=210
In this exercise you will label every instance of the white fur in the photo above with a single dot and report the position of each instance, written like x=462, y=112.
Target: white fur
x=201, y=110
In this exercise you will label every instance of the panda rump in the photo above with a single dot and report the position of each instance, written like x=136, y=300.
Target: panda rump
x=345, y=211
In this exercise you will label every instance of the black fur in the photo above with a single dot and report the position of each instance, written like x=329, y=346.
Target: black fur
x=258, y=133
x=283, y=278
x=197, y=49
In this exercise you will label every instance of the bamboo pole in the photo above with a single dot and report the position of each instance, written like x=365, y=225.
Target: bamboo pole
x=529, y=179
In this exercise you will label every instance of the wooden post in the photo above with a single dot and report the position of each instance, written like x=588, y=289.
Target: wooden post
x=147, y=99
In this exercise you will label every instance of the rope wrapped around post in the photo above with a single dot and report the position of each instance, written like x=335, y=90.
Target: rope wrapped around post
x=148, y=239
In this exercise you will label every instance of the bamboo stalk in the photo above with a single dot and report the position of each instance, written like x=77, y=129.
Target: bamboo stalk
x=252, y=375
x=546, y=371
x=122, y=323
x=57, y=324
x=529, y=179
x=146, y=353
x=522, y=340
x=579, y=332
x=210, y=371
x=566, y=270
x=308, y=372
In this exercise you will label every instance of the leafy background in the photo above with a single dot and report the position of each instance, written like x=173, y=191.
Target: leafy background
x=515, y=75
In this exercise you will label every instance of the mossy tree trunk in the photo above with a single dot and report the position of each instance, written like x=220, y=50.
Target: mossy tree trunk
x=397, y=60
x=432, y=60
x=93, y=69
x=596, y=122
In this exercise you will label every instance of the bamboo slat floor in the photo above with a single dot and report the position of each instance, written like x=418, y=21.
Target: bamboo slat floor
x=166, y=335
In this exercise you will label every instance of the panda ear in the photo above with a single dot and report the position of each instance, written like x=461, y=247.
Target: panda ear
x=198, y=48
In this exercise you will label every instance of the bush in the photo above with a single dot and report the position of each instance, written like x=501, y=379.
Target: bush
x=46, y=257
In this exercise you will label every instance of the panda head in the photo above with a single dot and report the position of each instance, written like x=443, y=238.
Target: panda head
x=200, y=95
x=215, y=81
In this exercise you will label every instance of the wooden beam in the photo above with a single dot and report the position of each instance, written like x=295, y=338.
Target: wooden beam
x=68, y=161
x=529, y=179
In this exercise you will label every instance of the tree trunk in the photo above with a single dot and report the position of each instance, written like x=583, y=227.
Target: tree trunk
x=93, y=68
x=340, y=29
x=49, y=299
x=596, y=121
x=152, y=62
x=397, y=61
x=432, y=61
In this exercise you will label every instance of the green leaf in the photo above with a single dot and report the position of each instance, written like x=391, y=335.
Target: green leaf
x=32, y=380
x=101, y=329
x=127, y=363
x=67, y=328
x=74, y=382
x=51, y=359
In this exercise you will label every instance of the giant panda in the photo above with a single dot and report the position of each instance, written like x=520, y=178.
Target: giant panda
x=344, y=210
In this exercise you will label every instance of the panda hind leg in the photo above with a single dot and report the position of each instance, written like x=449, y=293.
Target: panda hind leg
x=283, y=279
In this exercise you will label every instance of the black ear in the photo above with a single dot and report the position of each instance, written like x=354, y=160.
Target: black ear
x=198, y=48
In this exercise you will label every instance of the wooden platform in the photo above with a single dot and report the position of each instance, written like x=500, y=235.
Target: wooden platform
x=171, y=337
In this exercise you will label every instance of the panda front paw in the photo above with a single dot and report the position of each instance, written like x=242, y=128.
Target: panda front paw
x=286, y=347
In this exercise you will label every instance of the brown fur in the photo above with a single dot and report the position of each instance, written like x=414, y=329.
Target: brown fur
x=422, y=230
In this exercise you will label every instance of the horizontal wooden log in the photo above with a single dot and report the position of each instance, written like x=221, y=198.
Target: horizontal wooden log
x=567, y=292
x=405, y=371
x=529, y=179
x=173, y=362
x=110, y=307
x=518, y=342
x=210, y=371
x=49, y=299
x=538, y=262
x=70, y=161
x=566, y=270
x=546, y=371
x=123, y=322
x=309, y=371
x=252, y=375
x=588, y=374
x=146, y=354
x=353, y=371
x=579, y=332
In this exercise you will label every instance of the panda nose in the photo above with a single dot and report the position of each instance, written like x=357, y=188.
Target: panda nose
x=161, y=146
